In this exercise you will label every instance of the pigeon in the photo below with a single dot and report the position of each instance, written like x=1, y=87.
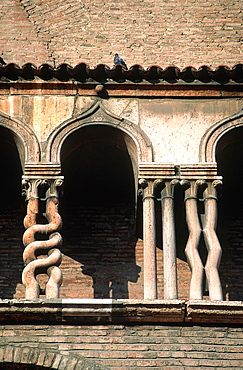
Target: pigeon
x=2, y=61
x=118, y=60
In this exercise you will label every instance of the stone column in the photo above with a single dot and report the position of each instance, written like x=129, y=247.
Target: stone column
x=169, y=240
x=149, y=239
x=48, y=265
x=206, y=227
x=195, y=230
x=211, y=240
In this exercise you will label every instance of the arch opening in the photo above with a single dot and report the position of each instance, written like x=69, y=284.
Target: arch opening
x=229, y=156
x=99, y=164
x=11, y=215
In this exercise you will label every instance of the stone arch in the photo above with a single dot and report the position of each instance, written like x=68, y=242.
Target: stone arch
x=46, y=358
x=208, y=145
x=98, y=114
x=24, y=137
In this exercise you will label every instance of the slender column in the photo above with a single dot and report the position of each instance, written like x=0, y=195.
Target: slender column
x=195, y=230
x=48, y=265
x=169, y=240
x=149, y=240
x=211, y=241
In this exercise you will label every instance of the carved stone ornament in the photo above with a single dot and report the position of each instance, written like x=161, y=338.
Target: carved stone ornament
x=48, y=265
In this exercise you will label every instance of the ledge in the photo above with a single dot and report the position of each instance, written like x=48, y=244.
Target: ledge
x=92, y=310
x=81, y=311
x=131, y=90
x=215, y=312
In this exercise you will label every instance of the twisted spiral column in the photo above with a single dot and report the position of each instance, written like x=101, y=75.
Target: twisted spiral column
x=33, y=247
x=195, y=231
x=206, y=227
x=211, y=241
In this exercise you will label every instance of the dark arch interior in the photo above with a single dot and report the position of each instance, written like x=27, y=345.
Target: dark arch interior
x=97, y=167
x=229, y=156
x=11, y=215
x=10, y=167
x=98, y=208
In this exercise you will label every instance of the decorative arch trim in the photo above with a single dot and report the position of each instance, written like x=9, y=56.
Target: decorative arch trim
x=51, y=359
x=26, y=140
x=207, y=149
x=98, y=114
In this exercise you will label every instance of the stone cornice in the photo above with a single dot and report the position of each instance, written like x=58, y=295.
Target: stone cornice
x=81, y=311
x=154, y=170
x=127, y=89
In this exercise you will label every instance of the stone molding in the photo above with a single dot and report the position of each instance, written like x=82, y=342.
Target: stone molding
x=198, y=171
x=86, y=311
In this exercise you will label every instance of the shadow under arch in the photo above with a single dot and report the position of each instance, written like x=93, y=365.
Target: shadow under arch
x=229, y=156
x=24, y=138
x=98, y=208
x=11, y=214
x=20, y=358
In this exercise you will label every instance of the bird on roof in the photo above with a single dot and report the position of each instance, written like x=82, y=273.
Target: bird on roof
x=118, y=60
x=2, y=61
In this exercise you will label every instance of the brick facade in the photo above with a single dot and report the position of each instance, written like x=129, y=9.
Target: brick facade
x=145, y=33
x=124, y=347
x=110, y=258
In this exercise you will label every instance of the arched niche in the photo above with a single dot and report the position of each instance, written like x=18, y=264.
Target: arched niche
x=98, y=114
x=25, y=139
x=229, y=157
x=11, y=213
x=211, y=138
x=99, y=164
x=108, y=157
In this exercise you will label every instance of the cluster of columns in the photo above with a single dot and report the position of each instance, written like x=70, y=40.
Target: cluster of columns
x=157, y=182
x=42, y=256
x=198, y=226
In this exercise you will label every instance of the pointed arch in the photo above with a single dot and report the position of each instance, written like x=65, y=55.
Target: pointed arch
x=208, y=145
x=98, y=114
x=24, y=137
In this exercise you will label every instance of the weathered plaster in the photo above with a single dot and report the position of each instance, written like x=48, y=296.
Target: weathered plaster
x=176, y=127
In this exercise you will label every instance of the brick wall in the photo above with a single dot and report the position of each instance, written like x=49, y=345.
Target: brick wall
x=135, y=347
x=143, y=32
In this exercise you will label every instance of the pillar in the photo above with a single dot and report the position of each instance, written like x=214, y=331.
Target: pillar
x=211, y=241
x=149, y=239
x=169, y=240
x=203, y=227
x=50, y=263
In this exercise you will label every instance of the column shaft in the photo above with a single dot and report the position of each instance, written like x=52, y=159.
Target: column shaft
x=169, y=241
x=149, y=243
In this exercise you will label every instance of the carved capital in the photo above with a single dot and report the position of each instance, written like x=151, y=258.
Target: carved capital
x=54, y=188
x=150, y=187
x=213, y=188
x=168, y=190
x=192, y=188
x=30, y=187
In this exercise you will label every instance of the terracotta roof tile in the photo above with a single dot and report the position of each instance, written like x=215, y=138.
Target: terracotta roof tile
x=136, y=73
